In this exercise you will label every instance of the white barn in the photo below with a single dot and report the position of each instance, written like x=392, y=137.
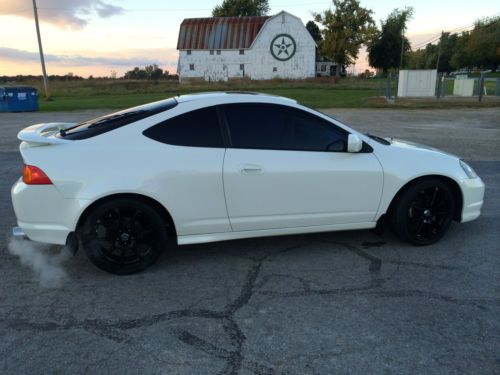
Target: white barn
x=220, y=48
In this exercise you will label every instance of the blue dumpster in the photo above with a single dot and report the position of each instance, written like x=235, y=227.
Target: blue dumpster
x=18, y=99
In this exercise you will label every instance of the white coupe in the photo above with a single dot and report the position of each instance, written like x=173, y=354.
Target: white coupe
x=222, y=166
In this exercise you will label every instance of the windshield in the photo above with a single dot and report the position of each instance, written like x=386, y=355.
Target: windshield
x=115, y=120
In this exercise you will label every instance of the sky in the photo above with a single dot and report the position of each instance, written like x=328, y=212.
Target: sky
x=98, y=37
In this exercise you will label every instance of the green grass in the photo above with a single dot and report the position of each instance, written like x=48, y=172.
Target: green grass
x=69, y=103
x=489, y=84
x=318, y=93
x=324, y=98
x=319, y=98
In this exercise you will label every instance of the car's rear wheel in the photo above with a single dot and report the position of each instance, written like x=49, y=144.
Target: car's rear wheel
x=424, y=212
x=124, y=236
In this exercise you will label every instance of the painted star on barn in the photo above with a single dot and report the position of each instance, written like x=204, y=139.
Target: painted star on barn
x=283, y=47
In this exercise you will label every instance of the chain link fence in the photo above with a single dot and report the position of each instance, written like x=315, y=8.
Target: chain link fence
x=445, y=86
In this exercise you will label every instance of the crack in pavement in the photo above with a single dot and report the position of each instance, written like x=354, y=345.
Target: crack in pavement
x=234, y=359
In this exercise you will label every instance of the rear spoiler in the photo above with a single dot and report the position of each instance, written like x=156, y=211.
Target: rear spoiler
x=44, y=133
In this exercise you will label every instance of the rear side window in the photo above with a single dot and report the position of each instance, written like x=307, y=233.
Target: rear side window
x=278, y=127
x=199, y=128
x=115, y=120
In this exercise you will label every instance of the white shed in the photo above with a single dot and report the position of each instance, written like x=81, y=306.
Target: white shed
x=220, y=48
x=417, y=83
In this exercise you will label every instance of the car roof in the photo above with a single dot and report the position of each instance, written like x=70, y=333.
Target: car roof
x=232, y=96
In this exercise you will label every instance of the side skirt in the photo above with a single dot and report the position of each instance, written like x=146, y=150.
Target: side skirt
x=214, y=237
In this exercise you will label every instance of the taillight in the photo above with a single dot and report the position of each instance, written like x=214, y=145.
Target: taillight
x=35, y=176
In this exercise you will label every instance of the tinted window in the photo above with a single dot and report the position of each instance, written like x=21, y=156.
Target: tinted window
x=115, y=120
x=275, y=127
x=198, y=128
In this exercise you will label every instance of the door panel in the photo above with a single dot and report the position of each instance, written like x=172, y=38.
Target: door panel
x=187, y=157
x=282, y=189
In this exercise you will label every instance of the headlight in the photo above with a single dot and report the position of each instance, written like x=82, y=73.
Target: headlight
x=468, y=169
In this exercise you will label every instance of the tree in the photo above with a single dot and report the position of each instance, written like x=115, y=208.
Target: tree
x=483, y=45
x=416, y=59
x=384, y=50
x=230, y=8
x=459, y=58
x=344, y=31
x=136, y=73
x=478, y=48
x=314, y=31
x=449, y=45
x=150, y=72
x=149, y=69
x=315, y=34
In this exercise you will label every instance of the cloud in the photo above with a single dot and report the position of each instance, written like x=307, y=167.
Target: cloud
x=62, y=13
x=85, y=63
x=76, y=60
x=107, y=10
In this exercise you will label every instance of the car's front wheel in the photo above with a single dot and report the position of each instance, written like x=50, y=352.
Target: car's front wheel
x=123, y=236
x=424, y=212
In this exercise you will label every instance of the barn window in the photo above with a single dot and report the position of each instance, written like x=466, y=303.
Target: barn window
x=242, y=66
x=323, y=68
x=242, y=51
x=188, y=51
x=191, y=66
x=218, y=52
x=275, y=69
x=211, y=51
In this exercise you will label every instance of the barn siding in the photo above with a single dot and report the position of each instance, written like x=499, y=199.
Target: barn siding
x=257, y=60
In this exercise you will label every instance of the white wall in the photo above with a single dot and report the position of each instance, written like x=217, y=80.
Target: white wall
x=258, y=60
x=417, y=83
x=212, y=67
x=463, y=87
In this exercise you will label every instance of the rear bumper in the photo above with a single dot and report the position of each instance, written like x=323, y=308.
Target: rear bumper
x=18, y=233
x=43, y=214
x=473, y=196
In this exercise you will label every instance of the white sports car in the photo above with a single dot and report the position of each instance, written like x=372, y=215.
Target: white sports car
x=222, y=166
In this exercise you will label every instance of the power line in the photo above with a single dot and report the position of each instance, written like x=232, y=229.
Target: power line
x=427, y=41
x=457, y=30
x=438, y=37
x=17, y=11
x=130, y=10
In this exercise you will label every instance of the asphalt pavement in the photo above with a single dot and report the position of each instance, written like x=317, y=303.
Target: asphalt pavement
x=341, y=302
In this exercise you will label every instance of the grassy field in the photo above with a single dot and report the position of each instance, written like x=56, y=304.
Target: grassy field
x=318, y=93
x=490, y=85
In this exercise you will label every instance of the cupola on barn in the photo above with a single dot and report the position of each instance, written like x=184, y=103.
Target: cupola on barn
x=259, y=47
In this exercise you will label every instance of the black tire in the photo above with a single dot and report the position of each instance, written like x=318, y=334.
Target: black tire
x=124, y=236
x=423, y=212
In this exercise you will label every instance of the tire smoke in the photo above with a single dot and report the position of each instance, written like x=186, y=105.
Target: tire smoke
x=46, y=265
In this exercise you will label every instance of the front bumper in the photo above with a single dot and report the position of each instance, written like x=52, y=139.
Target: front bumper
x=473, y=197
x=43, y=214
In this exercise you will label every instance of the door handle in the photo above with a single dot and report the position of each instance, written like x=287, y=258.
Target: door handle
x=251, y=169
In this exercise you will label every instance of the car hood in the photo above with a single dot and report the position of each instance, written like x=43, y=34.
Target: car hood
x=403, y=144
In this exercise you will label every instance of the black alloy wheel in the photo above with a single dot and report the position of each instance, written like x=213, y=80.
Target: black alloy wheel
x=124, y=236
x=424, y=212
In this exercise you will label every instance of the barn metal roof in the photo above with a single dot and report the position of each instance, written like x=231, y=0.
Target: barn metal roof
x=219, y=32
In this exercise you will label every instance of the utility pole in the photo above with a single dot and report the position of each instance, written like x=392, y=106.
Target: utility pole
x=402, y=48
x=439, y=50
x=42, y=60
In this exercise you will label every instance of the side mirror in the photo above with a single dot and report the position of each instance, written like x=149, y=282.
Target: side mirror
x=354, y=143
